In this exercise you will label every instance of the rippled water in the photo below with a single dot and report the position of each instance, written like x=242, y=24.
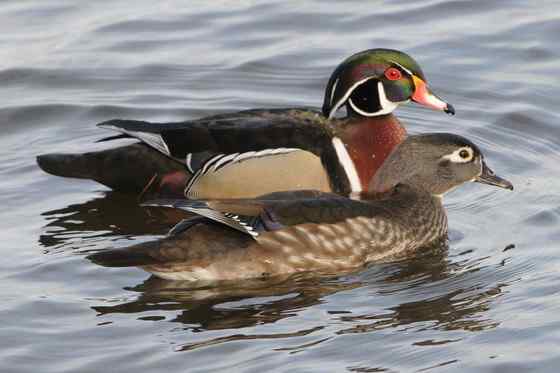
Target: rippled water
x=487, y=303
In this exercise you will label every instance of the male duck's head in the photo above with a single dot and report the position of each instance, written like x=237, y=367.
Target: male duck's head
x=435, y=162
x=374, y=82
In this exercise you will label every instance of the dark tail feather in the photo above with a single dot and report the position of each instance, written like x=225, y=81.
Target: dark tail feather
x=200, y=243
x=66, y=165
x=127, y=168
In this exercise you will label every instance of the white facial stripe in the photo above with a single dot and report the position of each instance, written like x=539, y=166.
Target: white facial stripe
x=357, y=110
x=334, y=89
x=456, y=155
x=402, y=67
x=386, y=105
x=346, y=95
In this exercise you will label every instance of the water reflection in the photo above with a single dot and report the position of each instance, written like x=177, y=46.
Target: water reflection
x=231, y=305
x=110, y=216
x=427, y=292
x=459, y=309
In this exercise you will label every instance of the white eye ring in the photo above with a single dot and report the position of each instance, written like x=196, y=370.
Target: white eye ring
x=461, y=155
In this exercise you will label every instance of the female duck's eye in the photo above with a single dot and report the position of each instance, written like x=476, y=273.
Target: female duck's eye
x=393, y=73
x=464, y=154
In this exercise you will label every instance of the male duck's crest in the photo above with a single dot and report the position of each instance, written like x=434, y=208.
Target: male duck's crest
x=374, y=82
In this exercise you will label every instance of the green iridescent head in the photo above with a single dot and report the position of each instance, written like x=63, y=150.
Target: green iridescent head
x=374, y=82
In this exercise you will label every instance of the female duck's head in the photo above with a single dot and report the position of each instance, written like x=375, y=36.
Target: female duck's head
x=435, y=162
x=374, y=82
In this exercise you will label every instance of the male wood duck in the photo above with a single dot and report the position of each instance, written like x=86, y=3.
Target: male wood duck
x=313, y=231
x=255, y=152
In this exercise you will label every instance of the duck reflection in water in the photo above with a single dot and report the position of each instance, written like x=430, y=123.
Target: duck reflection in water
x=108, y=217
x=422, y=292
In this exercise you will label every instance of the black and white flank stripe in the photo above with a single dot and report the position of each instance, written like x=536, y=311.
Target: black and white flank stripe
x=220, y=161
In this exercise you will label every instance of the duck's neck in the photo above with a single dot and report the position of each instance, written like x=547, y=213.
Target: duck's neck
x=368, y=142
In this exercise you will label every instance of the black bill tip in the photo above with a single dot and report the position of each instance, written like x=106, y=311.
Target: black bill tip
x=487, y=176
x=449, y=109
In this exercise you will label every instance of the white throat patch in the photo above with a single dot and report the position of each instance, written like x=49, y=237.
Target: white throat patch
x=336, y=106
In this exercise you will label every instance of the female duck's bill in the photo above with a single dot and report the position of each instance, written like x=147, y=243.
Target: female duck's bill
x=487, y=176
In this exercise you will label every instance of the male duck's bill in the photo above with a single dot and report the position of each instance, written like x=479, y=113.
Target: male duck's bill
x=312, y=231
x=423, y=96
x=340, y=154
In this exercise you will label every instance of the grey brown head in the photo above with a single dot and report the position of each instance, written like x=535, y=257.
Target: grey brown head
x=437, y=163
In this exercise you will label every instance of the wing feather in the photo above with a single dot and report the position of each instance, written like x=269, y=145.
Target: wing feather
x=244, y=224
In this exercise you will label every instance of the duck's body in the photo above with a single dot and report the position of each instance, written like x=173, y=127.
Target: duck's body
x=287, y=149
x=296, y=231
x=291, y=149
x=322, y=235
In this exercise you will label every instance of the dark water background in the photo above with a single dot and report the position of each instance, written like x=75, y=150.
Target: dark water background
x=66, y=65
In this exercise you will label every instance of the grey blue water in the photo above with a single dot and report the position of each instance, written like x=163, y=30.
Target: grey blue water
x=489, y=303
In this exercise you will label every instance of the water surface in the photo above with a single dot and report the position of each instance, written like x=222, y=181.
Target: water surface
x=480, y=305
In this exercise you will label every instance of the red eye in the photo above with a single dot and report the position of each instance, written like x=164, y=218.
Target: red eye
x=393, y=74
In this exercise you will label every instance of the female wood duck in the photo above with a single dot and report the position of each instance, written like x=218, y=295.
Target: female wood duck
x=286, y=149
x=312, y=231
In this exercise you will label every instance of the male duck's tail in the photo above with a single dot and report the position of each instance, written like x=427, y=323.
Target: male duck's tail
x=133, y=168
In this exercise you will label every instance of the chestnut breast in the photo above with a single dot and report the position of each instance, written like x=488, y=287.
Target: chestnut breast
x=369, y=141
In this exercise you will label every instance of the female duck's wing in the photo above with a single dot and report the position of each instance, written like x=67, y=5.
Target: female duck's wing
x=254, y=216
x=245, y=220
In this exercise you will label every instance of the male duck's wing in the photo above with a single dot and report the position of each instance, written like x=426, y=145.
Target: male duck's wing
x=241, y=132
x=285, y=149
